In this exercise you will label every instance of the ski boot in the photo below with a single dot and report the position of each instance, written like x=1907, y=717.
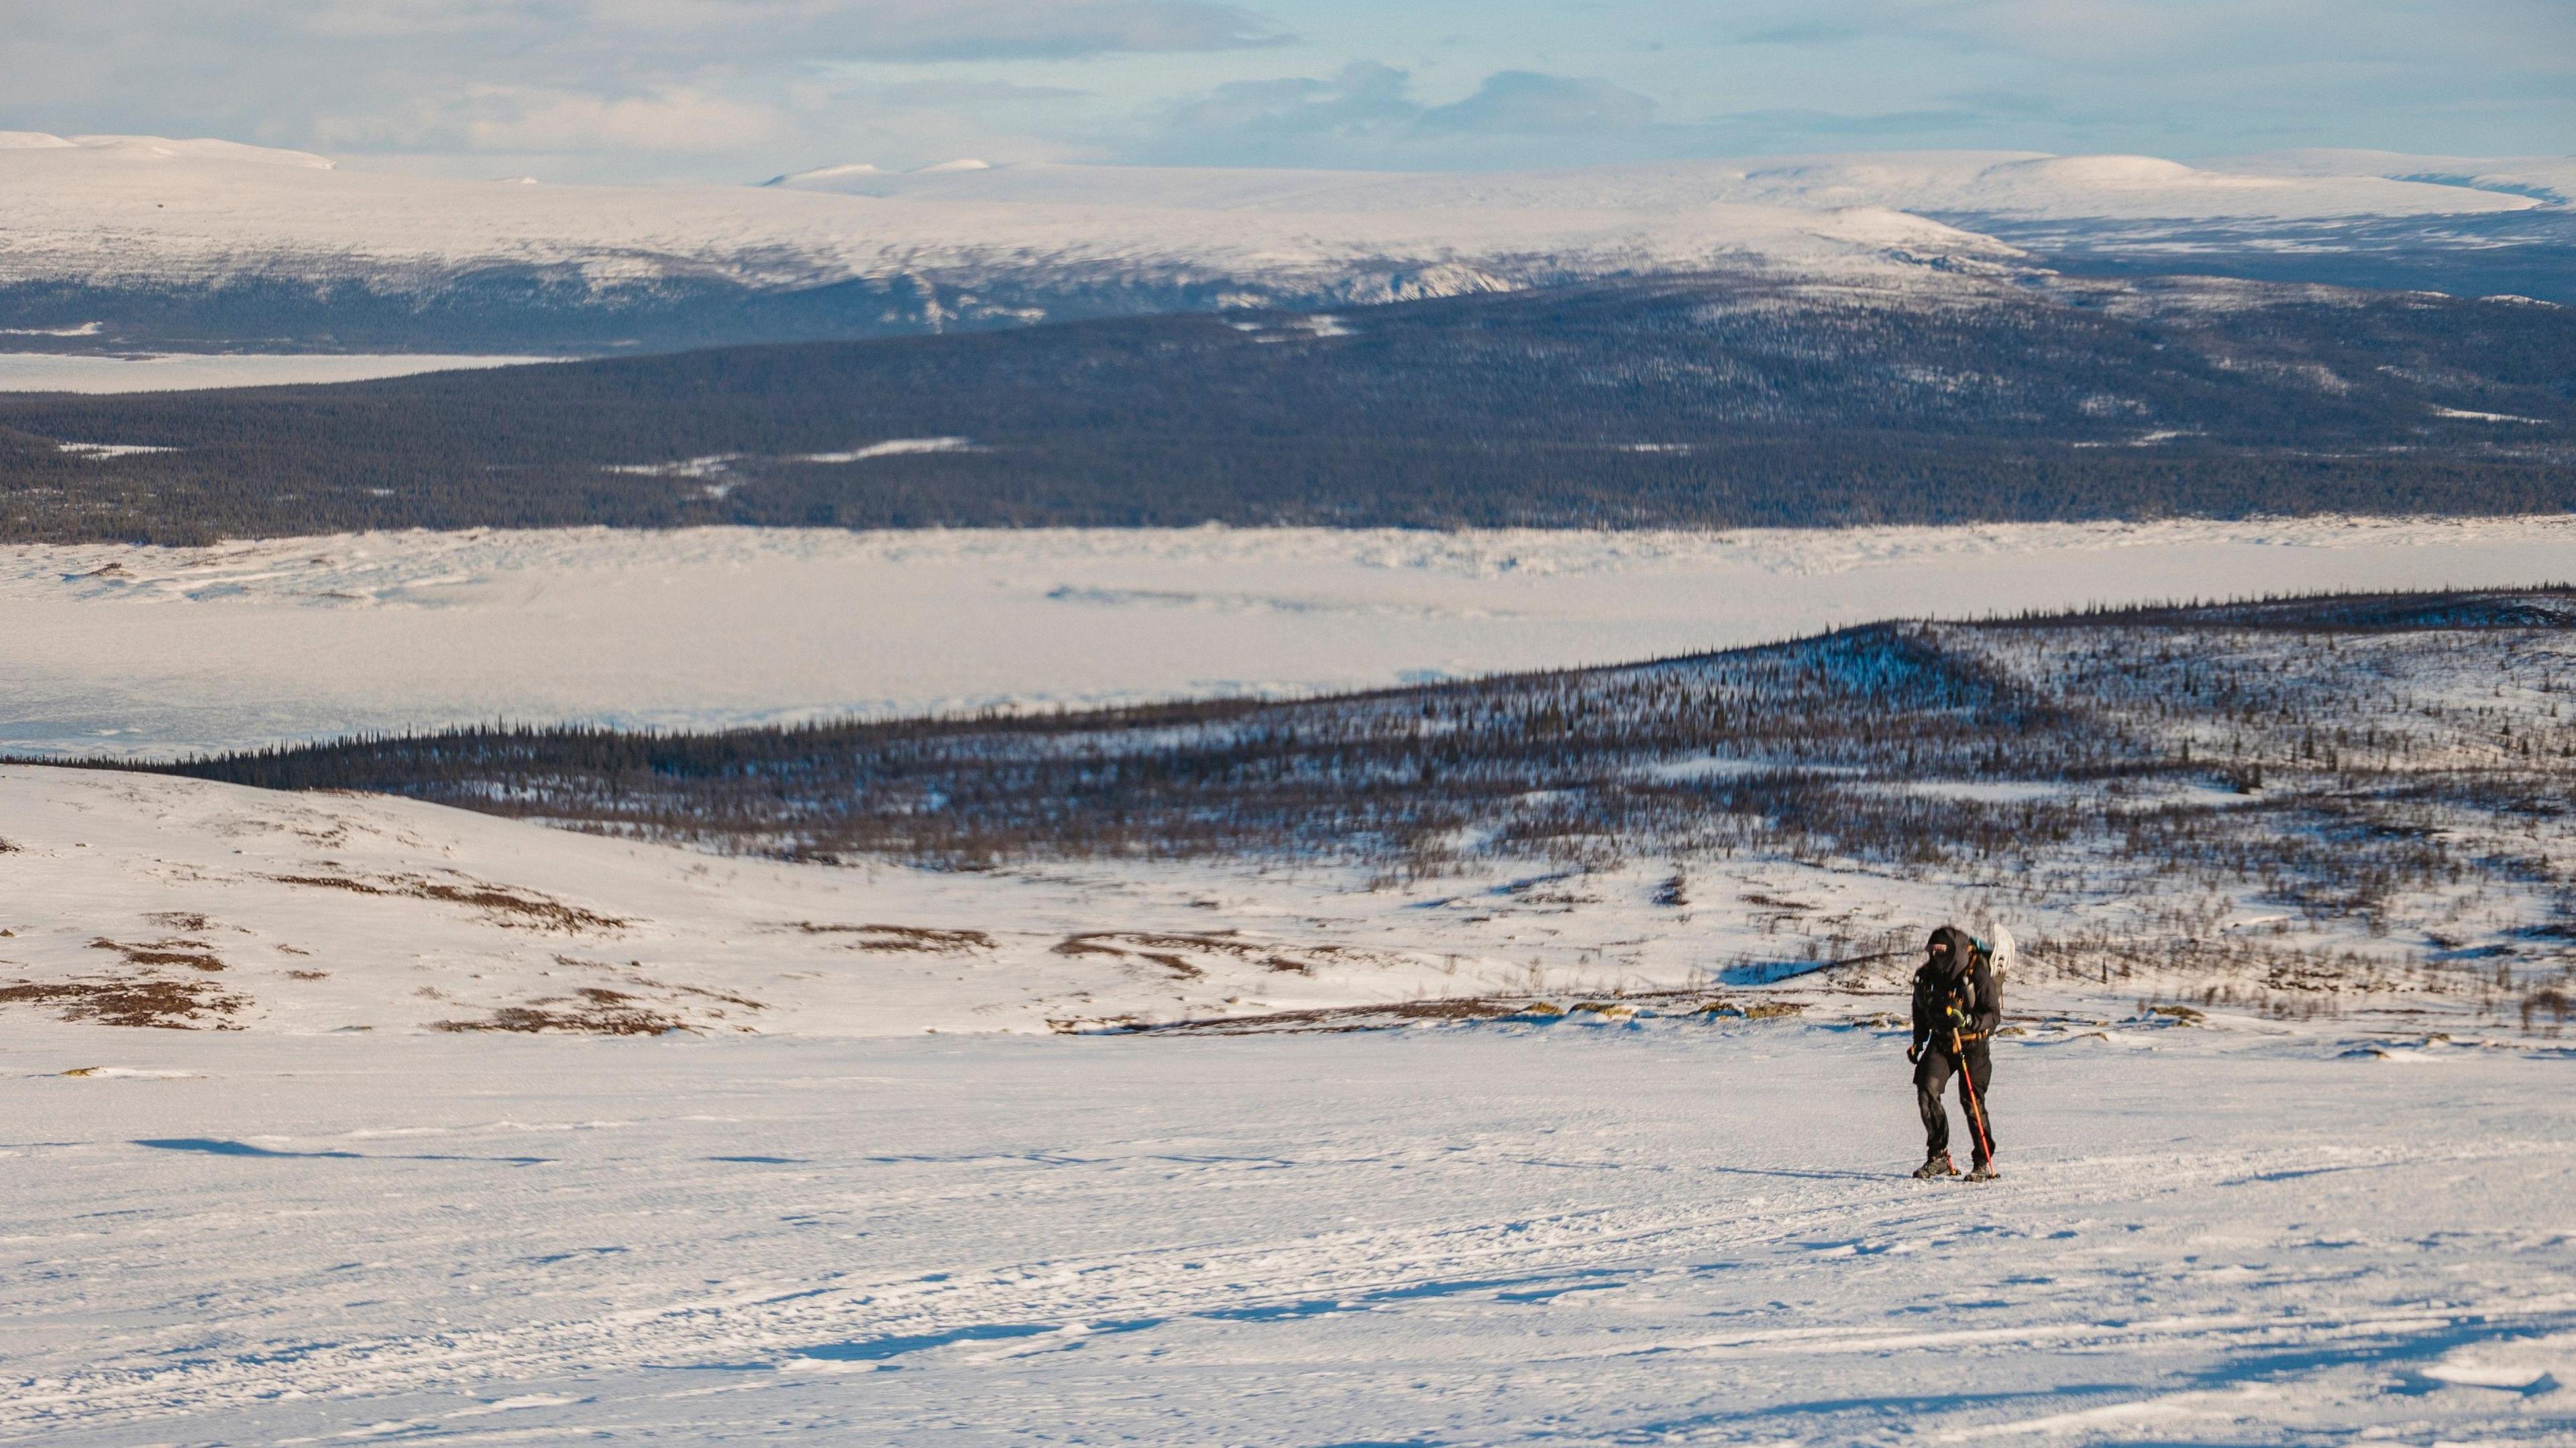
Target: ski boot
x=1983, y=1171
x=1936, y=1165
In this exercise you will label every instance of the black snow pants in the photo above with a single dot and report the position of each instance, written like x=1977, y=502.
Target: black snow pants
x=1932, y=1077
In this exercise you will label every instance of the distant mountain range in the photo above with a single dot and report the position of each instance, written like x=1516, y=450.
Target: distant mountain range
x=124, y=243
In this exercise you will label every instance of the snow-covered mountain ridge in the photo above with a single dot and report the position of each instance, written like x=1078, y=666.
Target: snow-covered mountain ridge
x=209, y=243
x=87, y=221
x=2021, y=184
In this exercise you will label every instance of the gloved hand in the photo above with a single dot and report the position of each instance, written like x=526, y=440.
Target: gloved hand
x=1914, y=1054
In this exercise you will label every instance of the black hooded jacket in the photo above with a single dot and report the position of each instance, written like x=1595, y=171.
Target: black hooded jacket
x=1962, y=978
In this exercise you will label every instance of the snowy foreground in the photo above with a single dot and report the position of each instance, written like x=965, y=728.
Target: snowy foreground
x=160, y=651
x=400, y=1193
x=1496, y=1234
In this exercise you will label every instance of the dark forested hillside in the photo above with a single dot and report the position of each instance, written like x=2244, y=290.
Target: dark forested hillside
x=1702, y=401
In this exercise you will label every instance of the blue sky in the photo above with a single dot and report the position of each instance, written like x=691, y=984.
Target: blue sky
x=736, y=89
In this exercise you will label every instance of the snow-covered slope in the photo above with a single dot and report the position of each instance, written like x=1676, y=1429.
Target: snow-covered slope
x=146, y=901
x=139, y=900
x=2550, y=180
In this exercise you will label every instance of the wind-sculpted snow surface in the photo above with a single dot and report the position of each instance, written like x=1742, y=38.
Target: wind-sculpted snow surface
x=1502, y=1234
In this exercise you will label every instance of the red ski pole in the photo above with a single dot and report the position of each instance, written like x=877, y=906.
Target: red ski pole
x=1968, y=1088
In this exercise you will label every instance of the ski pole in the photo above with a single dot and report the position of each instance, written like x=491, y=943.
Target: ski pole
x=1968, y=1088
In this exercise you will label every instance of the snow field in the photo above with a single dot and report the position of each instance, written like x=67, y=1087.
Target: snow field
x=146, y=900
x=160, y=651
x=1667, y=1233
x=220, y=907
x=64, y=372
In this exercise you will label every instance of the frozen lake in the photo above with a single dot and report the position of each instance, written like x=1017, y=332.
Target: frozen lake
x=182, y=371
x=158, y=651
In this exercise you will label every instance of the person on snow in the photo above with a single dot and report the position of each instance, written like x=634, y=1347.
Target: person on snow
x=1957, y=1007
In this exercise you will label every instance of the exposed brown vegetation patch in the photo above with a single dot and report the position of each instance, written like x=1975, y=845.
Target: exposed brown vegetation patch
x=630, y=974
x=308, y=975
x=903, y=939
x=194, y=954
x=155, y=1001
x=608, y=1014
x=525, y=909
x=703, y=993
x=1171, y=951
x=1124, y=948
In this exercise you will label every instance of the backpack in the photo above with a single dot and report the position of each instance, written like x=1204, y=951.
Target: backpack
x=1996, y=954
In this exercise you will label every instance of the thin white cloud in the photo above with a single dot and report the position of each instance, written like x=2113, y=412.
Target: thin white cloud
x=528, y=119
x=737, y=89
x=662, y=32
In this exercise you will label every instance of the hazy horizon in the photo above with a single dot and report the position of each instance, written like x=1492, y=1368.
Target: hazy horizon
x=738, y=90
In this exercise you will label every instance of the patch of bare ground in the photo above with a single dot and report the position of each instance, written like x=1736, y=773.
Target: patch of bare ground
x=524, y=909
x=1171, y=951
x=1109, y=943
x=600, y=1012
x=902, y=939
x=628, y=972
x=194, y=954
x=154, y=1001
x=1440, y=1011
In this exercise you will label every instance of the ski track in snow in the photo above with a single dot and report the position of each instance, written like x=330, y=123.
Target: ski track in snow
x=1496, y=1235
x=160, y=651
